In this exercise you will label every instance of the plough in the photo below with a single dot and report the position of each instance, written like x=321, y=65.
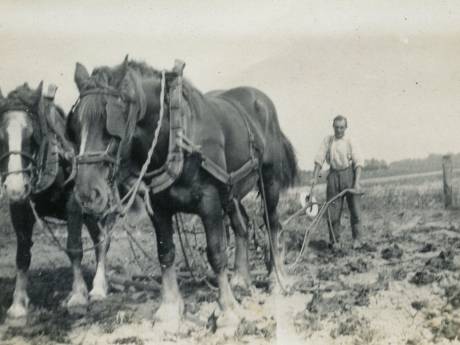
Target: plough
x=314, y=224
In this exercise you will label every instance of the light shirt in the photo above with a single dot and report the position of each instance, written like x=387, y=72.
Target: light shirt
x=339, y=153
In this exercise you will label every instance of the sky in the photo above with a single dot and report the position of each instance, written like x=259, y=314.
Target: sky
x=391, y=67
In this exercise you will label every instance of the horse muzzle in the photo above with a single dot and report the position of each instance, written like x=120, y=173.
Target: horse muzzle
x=17, y=187
x=94, y=200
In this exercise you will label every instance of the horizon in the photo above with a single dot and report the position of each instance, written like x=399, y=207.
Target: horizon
x=391, y=68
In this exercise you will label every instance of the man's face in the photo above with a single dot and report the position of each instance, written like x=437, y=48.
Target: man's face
x=339, y=128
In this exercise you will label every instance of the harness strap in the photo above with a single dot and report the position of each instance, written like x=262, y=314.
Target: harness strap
x=20, y=153
x=244, y=116
x=95, y=157
x=165, y=176
x=218, y=172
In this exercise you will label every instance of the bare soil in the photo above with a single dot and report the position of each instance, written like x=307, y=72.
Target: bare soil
x=400, y=287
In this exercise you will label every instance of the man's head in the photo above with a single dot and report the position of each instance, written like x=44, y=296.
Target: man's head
x=340, y=125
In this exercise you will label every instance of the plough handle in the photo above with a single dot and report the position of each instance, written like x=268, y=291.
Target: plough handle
x=310, y=204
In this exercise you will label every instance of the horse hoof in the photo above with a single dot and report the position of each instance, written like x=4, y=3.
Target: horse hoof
x=16, y=316
x=97, y=295
x=16, y=322
x=227, y=322
x=77, y=304
x=281, y=283
x=168, y=317
x=17, y=311
x=240, y=281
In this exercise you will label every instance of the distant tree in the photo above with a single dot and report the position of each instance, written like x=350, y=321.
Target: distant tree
x=375, y=164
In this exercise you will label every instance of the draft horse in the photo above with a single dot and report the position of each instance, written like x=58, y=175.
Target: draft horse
x=204, y=153
x=35, y=174
x=33, y=170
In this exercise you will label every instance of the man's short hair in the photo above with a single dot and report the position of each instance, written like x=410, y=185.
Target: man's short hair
x=340, y=118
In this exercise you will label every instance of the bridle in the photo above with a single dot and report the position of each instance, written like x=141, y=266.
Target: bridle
x=28, y=157
x=104, y=156
x=33, y=167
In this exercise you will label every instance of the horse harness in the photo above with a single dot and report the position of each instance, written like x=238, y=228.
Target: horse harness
x=163, y=177
x=43, y=166
x=95, y=157
x=179, y=143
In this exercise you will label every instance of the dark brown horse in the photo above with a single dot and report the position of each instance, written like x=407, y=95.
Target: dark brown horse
x=211, y=150
x=33, y=171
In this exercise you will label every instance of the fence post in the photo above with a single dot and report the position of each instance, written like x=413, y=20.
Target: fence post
x=447, y=172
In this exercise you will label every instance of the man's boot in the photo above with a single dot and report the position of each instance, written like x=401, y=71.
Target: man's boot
x=357, y=235
x=334, y=235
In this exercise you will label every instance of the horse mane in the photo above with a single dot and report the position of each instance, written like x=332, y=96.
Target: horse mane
x=93, y=105
x=111, y=76
x=22, y=95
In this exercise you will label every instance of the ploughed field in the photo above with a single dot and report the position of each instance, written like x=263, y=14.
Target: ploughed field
x=401, y=287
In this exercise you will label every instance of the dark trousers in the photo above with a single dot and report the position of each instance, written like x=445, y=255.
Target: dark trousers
x=337, y=181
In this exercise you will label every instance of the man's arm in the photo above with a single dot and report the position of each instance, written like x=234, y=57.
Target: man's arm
x=356, y=184
x=358, y=162
x=316, y=172
x=319, y=160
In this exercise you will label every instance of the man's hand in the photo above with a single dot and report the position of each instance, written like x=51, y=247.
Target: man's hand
x=357, y=187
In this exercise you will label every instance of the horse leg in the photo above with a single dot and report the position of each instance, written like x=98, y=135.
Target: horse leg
x=23, y=221
x=171, y=309
x=211, y=215
x=240, y=220
x=275, y=263
x=78, y=298
x=102, y=243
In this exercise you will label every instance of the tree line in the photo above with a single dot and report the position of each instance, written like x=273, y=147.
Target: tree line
x=380, y=168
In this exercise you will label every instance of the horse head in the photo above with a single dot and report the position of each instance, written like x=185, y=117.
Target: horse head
x=21, y=127
x=102, y=124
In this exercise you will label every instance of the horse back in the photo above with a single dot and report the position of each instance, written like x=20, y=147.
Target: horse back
x=237, y=112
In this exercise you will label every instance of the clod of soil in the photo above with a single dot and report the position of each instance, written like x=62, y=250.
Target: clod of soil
x=366, y=247
x=351, y=326
x=423, y=278
x=428, y=247
x=444, y=261
x=358, y=266
x=393, y=252
x=419, y=305
x=246, y=327
x=447, y=328
x=453, y=296
x=328, y=274
x=129, y=341
x=338, y=302
x=399, y=274
x=361, y=296
x=320, y=245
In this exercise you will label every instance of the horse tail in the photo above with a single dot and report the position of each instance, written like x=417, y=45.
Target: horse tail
x=289, y=170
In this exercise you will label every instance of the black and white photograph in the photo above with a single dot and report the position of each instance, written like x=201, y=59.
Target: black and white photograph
x=229, y=172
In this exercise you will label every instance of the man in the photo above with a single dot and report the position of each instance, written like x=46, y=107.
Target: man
x=345, y=161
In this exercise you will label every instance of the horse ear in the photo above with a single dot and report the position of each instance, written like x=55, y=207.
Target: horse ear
x=81, y=75
x=38, y=93
x=179, y=66
x=124, y=66
x=121, y=73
